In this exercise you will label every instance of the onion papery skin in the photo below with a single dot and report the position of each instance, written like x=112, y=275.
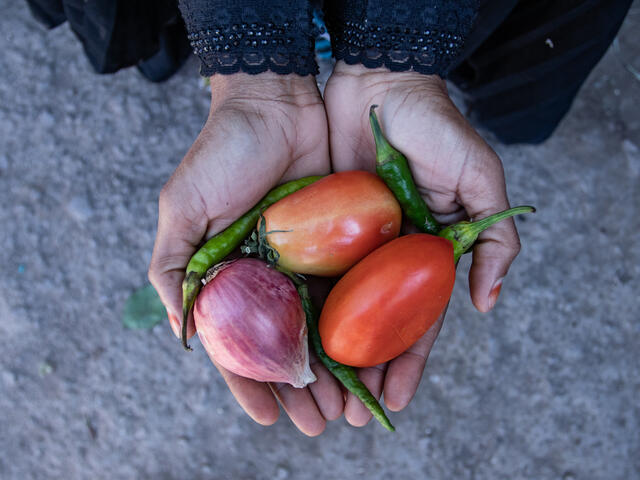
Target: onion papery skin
x=250, y=320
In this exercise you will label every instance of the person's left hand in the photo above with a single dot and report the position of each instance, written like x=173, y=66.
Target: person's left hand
x=457, y=173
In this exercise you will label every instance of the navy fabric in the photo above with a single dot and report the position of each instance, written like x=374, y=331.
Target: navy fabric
x=519, y=63
x=422, y=36
x=252, y=36
x=121, y=33
x=521, y=79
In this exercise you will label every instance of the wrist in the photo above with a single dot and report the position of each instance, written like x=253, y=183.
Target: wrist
x=293, y=90
x=374, y=85
x=382, y=74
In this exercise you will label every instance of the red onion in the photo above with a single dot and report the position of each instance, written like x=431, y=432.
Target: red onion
x=250, y=320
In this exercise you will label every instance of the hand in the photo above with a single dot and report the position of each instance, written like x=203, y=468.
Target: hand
x=262, y=130
x=457, y=173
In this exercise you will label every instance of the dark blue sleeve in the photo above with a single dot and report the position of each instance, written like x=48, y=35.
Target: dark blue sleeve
x=251, y=36
x=424, y=36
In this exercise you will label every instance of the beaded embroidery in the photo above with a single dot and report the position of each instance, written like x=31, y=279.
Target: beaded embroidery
x=422, y=36
x=253, y=39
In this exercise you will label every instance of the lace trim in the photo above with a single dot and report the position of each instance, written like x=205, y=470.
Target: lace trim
x=254, y=48
x=397, y=48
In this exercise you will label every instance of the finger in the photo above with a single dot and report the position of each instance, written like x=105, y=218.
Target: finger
x=176, y=240
x=354, y=411
x=404, y=372
x=350, y=141
x=255, y=398
x=326, y=391
x=482, y=192
x=456, y=216
x=301, y=408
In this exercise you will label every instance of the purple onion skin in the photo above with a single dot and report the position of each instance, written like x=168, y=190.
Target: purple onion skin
x=250, y=320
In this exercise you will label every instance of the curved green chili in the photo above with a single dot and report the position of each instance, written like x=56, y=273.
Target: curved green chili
x=222, y=244
x=346, y=375
x=393, y=168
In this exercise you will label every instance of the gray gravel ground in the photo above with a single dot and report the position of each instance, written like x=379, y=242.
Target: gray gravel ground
x=541, y=388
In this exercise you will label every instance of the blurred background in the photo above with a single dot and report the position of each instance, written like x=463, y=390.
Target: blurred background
x=546, y=386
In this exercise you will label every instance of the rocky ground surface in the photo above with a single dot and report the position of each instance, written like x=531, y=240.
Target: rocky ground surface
x=543, y=387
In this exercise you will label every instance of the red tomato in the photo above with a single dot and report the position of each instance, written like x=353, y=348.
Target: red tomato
x=387, y=301
x=333, y=223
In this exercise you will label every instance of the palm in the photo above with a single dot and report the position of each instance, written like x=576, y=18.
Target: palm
x=242, y=153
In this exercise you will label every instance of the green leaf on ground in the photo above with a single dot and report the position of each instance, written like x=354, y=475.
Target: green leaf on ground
x=143, y=309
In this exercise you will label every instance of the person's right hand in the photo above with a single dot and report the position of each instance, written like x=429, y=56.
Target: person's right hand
x=262, y=130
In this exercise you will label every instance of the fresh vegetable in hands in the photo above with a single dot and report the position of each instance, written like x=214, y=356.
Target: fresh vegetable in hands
x=215, y=250
x=325, y=228
x=385, y=303
x=345, y=374
x=250, y=320
x=219, y=246
x=393, y=168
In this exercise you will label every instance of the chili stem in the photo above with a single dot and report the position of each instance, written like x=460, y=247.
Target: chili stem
x=464, y=234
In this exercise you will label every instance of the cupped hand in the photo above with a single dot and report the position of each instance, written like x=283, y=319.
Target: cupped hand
x=262, y=130
x=457, y=173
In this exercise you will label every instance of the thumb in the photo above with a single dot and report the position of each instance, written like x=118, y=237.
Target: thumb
x=492, y=256
x=483, y=193
x=176, y=241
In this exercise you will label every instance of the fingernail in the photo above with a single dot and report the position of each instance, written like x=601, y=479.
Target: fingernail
x=495, y=292
x=175, y=324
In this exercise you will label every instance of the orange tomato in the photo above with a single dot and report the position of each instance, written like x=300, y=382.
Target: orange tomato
x=331, y=224
x=387, y=301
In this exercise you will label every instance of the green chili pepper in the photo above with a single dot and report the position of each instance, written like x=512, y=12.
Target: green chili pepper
x=346, y=375
x=393, y=168
x=464, y=234
x=222, y=244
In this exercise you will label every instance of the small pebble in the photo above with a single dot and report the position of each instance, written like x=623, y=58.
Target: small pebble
x=46, y=119
x=80, y=208
x=8, y=379
x=282, y=473
x=632, y=153
x=629, y=147
x=45, y=368
x=159, y=329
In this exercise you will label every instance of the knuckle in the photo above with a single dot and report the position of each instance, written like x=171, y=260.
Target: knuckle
x=513, y=246
x=165, y=200
x=153, y=274
x=517, y=246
